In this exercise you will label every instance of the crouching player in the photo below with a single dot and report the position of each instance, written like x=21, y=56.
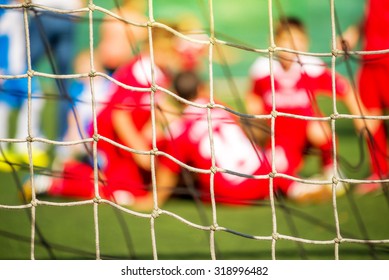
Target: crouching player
x=233, y=152
x=298, y=80
x=122, y=175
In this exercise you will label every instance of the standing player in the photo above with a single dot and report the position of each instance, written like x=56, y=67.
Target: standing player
x=297, y=81
x=80, y=118
x=372, y=84
x=13, y=92
x=54, y=34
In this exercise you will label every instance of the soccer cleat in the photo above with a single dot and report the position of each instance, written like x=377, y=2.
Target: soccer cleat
x=315, y=193
x=9, y=161
x=328, y=175
x=369, y=188
x=39, y=158
x=309, y=193
x=123, y=198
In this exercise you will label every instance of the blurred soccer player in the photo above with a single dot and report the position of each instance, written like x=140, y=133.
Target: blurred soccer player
x=297, y=81
x=13, y=92
x=233, y=151
x=123, y=120
x=190, y=144
x=53, y=37
x=126, y=116
x=372, y=85
x=80, y=118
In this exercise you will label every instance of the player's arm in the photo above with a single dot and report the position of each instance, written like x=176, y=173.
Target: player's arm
x=349, y=97
x=166, y=181
x=254, y=127
x=131, y=137
x=352, y=35
x=72, y=131
x=165, y=114
x=254, y=104
x=356, y=107
x=166, y=174
x=349, y=38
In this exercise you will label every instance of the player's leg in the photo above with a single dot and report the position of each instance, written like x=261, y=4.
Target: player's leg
x=297, y=191
x=314, y=133
x=382, y=133
x=8, y=160
x=376, y=141
x=76, y=181
x=39, y=153
x=64, y=54
x=37, y=47
x=319, y=136
x=5, y=111
x=373, y=94
x=124, y=181
x=10, y=97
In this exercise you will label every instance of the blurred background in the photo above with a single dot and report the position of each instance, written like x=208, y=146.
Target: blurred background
x=68, y=232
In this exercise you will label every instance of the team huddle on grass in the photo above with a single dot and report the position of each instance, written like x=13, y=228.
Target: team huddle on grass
x=158, y=118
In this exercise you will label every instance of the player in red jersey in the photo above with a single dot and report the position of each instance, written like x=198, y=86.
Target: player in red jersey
x=297, y=81
x=372, y=85
x=233, y=152
x=123, y=120
x=190, y=144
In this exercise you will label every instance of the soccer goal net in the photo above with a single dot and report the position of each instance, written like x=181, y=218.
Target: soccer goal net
x=221, y=42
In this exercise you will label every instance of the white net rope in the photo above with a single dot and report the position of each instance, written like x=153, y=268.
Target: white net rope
x=212, y=41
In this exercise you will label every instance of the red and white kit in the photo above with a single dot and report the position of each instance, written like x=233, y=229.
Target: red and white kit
x=295, y=93
x=190, y=144
x=118, y=168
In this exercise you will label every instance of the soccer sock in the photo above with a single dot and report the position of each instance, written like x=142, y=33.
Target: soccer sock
x=5, y=111
x=378, y=152
x=35, y=122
